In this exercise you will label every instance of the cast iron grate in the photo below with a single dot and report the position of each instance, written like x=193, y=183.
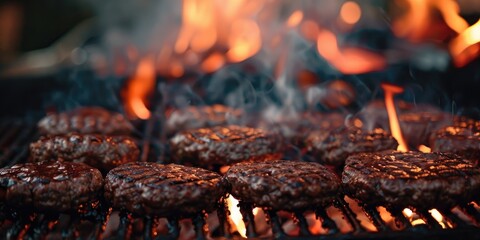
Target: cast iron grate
x=98, y=221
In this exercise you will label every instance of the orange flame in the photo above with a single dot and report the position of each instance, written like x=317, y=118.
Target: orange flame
x=139, y=87
x=244, y=41
x=295, y=18
x=413, y=218
x=350, y=12
x=390, y=91
x=465, y=46
x=236, y=216
x=424, y=149
x=347, y=60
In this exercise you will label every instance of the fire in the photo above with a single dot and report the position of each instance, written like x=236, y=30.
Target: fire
x=350, y=12
x=295, y=19
x=236, y=216
x=139, y=87
x=465, y=46
x=390, y=91
x=438, y=217
x=412, y=217
x=348, y=60
x=244, y=41
x=424, y=149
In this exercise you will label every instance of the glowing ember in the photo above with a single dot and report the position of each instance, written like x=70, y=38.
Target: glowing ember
x=465, y=46
x=350, y=12
x=438, y=217
x=139, y=87
x=413, y=218
x=236, y=216
x=390, y=91
x=348, y=60
x=425, y=149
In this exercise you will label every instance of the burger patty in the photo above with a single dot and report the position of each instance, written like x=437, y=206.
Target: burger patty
x=164, y=190
x=49, y=186
x=194, y=117
x=417, y=122
x=462, y=138
x=102, y=152
x=85, y=120
x=411, y=179
x=283, y=185
x=295, y=129
x=223, y=145
x=334, y=147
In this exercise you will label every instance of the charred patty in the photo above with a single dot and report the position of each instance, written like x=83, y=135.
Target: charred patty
x=85, y=120
x=49, y=186
x=283, y=185
x=102, y=152
x=164, y=190
x=223, y=145
x=462, y=138
x=411, y=179
x=194, y=117
x=334, y=147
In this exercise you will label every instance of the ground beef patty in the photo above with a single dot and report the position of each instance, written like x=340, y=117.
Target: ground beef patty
x=334, y=147
x=412, y=179
x=224, y=145
x=295, y=128
x=102, y=152
x=194, y=117
x=49, y=186
x=85, y=120
x=164, y=190
x=283, y=185
x=417, y=121
x=462, y=138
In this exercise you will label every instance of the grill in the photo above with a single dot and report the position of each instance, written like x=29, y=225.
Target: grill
x=98, y=220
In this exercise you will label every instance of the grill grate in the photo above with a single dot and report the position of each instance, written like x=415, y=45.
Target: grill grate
x=99, y=221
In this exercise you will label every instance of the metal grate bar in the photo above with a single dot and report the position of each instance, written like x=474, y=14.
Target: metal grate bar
x=302, y=223
x=470, y=210
x=349, y=214
x=148, y=228
x=374, y=216
x=327, y=222
x=427, y=217
x=225, y=228
x=247, y=213
x=276, y=225
x=173, y=228
x=199, y=223
x=400, y=219
x=453, y=218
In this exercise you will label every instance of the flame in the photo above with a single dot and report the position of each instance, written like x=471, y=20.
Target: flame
x=413, y=218
x=347, y=60
x=295, y=18
x=390, y=91
x=424, y=149
x=236, y=216
x=416, y=24
x=465, y=46
x=350, y=12
x=139, y=87
x=244, y=41
x=438, y=217
x=213, y=62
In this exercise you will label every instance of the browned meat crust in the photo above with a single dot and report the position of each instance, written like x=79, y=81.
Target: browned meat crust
x=85, y=120
x=283, y=185
x=165, y=190
x=223, y=145
x=49, y=186
x=194, y=117
x=334, y=147
x=102, y=152
x=412, y=179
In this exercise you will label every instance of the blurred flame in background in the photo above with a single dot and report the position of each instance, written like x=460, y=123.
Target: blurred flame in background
x=216, y=33
x=139, y=87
